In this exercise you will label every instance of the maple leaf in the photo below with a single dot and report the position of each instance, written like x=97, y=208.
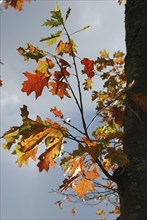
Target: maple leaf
x=88, y=67
x=59, y=88
x=36, y=82
x=56, y=112
x=83, y=186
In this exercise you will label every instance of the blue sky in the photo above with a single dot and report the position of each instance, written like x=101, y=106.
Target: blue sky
x=24, y=192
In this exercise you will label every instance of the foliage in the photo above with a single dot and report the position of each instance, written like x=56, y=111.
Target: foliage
x=92, y=165
x=16, y=4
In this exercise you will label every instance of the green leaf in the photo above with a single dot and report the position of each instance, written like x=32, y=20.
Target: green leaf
x=84, y=28
x=68, y=13
x=56, y=18
x=31, y=52
x=52, y=39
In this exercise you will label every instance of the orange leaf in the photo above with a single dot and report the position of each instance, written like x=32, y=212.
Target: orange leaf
x=36, y=82
x=116, y=210
x=89, y=67
x=59, y=88
x=92, y=174
x=83, y=186
x=47, y=158
x=64, y=48
x=56, y=112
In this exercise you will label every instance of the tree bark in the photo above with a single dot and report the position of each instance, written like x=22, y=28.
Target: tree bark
x=132, y=184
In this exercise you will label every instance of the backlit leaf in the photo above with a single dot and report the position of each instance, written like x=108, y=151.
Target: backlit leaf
x=83, y=186
x=59, y=88
x=31, y=52
x=56, y=112
x=52, y=39
x=35, y=83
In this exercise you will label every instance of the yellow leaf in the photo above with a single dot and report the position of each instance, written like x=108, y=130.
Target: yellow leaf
x=100, y=212
x=83, y=186
x=104, y=54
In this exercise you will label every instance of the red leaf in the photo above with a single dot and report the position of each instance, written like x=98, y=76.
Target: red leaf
x=36, y=82
x=56, y=112
x=1, y=82
x=89, y=67
x=59, y=88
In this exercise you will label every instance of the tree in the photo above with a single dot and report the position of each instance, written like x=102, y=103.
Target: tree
x=100, y=160
x=132, y=183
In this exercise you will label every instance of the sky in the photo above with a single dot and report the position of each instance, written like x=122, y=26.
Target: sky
x=24, y=192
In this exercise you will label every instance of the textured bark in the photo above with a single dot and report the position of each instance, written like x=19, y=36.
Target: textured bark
x=132, y=184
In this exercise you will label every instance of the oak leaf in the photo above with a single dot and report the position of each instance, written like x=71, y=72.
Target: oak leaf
x=59, y=88
x=56, y=112
x=64, y=48
x=35, y=83
x=88, y=67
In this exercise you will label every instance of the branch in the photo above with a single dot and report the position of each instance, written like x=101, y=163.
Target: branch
x=79, y=86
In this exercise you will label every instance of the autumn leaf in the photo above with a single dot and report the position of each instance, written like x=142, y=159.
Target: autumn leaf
x=59, y=88
x=25, y=156
x=104, y=54
x=100, y=212
x=83, y=186
x=35, y=83
x=64, y=48
x=44, y=66
x=76, y=166
x=56, y=112
x=116, y=210
x=31, y=52
x=47, y=158
x=117, y=156
x=16, y=4
x=88, y=84
x=52, y=39
x=88, y=67
x=56, y=18
x=93, y=174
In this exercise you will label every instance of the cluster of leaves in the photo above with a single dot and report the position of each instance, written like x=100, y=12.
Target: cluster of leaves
x=16, y=4
x=98, y=154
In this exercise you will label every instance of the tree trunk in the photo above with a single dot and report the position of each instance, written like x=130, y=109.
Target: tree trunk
x=132, y=184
